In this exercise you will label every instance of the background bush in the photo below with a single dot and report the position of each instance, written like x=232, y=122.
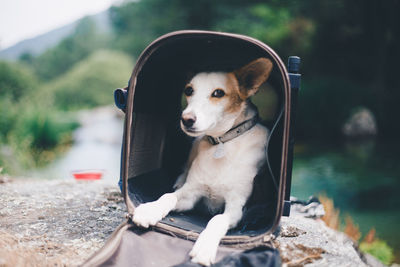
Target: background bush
x=380, y=249
x=16, y=80
x=92, y=81
x=37, y=118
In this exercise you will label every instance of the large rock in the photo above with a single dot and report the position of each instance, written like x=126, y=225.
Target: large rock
x=56, y=223
x=308, y=241
x=361, y=124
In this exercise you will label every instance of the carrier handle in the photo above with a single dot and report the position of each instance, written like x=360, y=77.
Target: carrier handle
x=294, y=77
x=121, y=98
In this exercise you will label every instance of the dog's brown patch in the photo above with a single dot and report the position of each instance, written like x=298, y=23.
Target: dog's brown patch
x=252, y=75
x=233, y=93
x=216, y=100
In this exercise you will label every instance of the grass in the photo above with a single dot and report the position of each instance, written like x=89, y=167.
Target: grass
x=37, y=135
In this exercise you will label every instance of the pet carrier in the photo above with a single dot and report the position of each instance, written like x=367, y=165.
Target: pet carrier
x=155, y=149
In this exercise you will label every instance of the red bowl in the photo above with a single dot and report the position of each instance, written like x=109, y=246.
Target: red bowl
x=87, y=175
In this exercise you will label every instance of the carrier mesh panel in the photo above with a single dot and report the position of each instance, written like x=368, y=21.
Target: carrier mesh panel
x=147, y=145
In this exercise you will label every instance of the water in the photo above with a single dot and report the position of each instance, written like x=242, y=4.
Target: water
x=97, y=146
x=362, y=178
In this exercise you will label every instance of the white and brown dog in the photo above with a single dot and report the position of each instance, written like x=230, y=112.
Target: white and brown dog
x=229, y=149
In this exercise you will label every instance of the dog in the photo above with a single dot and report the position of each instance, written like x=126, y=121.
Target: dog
x=229, y=149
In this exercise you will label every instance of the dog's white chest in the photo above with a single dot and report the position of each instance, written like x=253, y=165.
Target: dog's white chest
x=226, y=176
x=218, y=175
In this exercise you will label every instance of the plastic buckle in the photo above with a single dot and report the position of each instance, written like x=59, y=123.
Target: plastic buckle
x=121, y=98
x=286, y=208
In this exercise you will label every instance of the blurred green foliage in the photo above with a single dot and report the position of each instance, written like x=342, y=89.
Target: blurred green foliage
x=349, y=49
x=138, y=23
x=16, y=80
x=28, y=127
x=324, y=105
x=39, y=95
x=41, y=128
x=91, y=82
x=8, y=112
x=379, y=249
x=59, y=59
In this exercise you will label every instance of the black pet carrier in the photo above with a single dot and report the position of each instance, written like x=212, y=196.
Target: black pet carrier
x=155, y=150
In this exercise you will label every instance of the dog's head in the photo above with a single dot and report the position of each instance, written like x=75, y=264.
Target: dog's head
x=216, y=99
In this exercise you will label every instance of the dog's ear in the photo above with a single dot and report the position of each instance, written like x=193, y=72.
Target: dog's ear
x=252, y=75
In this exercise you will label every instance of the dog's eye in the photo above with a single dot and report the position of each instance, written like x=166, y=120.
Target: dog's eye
x=218, y=93
x=188, y=91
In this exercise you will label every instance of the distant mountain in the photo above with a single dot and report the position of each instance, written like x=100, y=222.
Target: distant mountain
x=41, y=43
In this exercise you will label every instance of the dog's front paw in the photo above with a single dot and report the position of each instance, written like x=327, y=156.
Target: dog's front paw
x=147, y=214
x=152, y=212
x=204, y=251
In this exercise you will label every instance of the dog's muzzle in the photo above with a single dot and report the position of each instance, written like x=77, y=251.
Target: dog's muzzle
x=188, y=120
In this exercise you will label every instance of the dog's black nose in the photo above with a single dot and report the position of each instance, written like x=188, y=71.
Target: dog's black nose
x=188, y=120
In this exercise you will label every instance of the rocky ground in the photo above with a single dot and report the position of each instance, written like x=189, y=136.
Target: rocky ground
x=56, y=223
x=61, y=223
x=306, y=241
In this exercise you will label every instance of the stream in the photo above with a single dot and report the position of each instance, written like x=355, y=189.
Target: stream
x=97, y=146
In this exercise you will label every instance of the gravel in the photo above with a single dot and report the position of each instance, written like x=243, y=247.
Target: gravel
x=56, y=222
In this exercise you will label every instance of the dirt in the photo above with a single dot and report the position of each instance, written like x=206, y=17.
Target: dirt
x=56, y=223
x=299, y=255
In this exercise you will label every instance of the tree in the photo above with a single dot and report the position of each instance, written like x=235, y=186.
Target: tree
x=15, y=80
x=57, y=60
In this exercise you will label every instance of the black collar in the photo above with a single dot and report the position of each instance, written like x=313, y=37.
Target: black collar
x=234, y=132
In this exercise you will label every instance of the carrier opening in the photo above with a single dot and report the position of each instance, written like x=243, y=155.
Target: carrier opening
x=159, y=149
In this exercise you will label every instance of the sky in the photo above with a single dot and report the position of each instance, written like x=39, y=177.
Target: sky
x=22, y=19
